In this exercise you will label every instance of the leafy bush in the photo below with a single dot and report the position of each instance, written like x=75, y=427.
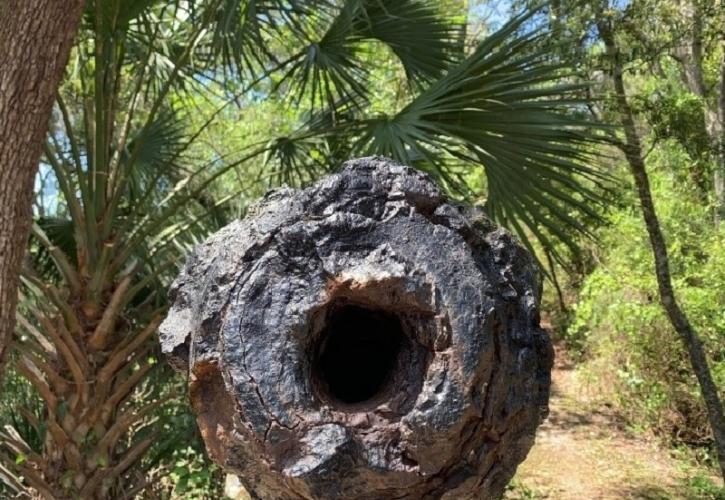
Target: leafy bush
x=619, y=325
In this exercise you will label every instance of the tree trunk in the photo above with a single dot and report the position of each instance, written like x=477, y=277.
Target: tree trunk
x=633, y=152
x=35, y=40
x=690, y=57
x=717, y=139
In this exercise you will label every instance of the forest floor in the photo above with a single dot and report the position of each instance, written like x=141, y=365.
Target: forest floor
x=585, y=451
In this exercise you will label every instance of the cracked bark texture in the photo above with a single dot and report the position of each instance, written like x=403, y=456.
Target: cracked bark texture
x=460, y=405
x=35, y=41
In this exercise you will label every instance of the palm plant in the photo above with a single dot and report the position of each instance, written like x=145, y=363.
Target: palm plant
x=132, y=195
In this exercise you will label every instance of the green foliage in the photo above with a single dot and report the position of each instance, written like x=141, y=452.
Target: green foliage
x=21, y=408
x=703, y=488
x=193, y=477
x=619, y=323
x=505, y=108
x=516, y=490
x=678, y=114
x=173, y=116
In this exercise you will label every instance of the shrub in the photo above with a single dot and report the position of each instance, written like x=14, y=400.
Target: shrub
x=619, y=325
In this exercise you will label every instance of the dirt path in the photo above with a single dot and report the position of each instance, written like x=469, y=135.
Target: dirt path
x=583, y=451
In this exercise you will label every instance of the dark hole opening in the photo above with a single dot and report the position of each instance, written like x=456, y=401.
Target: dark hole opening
x=358, y=352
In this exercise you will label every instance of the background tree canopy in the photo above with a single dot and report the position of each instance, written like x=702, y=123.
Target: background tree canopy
x=173, y=116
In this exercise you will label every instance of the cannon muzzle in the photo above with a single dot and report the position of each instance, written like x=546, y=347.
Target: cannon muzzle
x=364, y=338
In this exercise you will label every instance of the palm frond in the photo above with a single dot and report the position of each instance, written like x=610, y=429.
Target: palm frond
x=334, y=66
x=295, y=161
x=510, y=109
x=242, y=31
x=329, y=68
x=425, y=42
x=158, y=148
x=59, y=233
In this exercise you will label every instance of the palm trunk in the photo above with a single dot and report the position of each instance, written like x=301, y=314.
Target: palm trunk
x=35, y=41
x=633, y=152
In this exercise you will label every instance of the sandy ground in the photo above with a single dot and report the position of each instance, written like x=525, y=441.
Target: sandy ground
x=583, y=451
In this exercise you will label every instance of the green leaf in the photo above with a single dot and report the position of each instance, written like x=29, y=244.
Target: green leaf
x=332, y=68
x=426, y=42
x=508, y=108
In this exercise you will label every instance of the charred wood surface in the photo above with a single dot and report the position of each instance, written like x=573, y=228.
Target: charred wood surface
x=363, y=338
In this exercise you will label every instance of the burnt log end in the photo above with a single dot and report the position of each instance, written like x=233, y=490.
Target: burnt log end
x=364, y=338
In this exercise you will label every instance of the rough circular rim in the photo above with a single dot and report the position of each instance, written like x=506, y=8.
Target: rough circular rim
x=250, y=301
